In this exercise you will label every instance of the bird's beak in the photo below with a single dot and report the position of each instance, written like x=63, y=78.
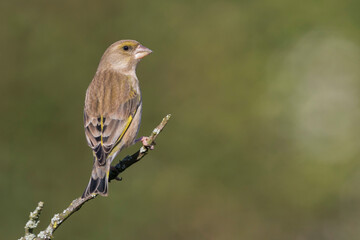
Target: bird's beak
x=141, y=52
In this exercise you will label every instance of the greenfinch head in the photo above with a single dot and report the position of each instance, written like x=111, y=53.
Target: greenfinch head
x=123, y=55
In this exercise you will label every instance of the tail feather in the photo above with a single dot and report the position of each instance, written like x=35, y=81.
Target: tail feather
x=98, y=183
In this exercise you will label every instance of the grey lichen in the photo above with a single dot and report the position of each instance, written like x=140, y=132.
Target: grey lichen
x=31, y=224
x=56, y=220
x=156, y=131
x=143, y=149
x=30, y=236
x=43, y=235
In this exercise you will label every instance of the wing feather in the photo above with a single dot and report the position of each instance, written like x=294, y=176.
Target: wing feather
x=110, y=105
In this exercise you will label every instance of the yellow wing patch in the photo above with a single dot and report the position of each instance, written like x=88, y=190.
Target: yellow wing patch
x=115, y=149
x=132, y=93
x=102, y=129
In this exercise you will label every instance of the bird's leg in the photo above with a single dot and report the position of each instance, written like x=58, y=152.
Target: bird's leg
x=145, y=142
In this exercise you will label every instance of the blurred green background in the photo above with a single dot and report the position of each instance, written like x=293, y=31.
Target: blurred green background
x=264, y=142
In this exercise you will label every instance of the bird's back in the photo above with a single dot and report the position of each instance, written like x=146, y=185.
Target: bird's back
x=111, y=103
x=108, y=91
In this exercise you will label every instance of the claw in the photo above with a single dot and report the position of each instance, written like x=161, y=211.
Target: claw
x=145, y=142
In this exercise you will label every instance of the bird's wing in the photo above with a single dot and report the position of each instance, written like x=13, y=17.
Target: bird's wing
x=110, y=106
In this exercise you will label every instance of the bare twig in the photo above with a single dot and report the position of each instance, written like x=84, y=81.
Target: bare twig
x=76, y=204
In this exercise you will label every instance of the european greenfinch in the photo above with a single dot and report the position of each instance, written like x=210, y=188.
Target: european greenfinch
x=112, y=111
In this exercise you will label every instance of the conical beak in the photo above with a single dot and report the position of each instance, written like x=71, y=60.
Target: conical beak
x=141, y=52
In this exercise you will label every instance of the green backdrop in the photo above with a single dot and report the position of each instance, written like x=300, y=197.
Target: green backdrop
x=264, y=139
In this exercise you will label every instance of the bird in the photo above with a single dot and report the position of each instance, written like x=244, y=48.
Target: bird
x=112, y=111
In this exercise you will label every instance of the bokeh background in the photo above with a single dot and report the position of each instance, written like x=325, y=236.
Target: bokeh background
x=264, y=142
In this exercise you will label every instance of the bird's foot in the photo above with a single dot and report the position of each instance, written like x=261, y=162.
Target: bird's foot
x=145, y=142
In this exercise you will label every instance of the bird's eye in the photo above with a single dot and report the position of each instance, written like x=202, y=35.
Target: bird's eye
x=126, y=48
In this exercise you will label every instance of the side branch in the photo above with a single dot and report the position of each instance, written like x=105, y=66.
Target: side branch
x=33, y=222
x=76, y=204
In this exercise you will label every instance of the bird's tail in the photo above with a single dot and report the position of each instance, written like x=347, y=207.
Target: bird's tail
x=99, y=180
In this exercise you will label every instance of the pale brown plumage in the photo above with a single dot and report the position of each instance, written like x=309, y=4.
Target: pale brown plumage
x=112, y=111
